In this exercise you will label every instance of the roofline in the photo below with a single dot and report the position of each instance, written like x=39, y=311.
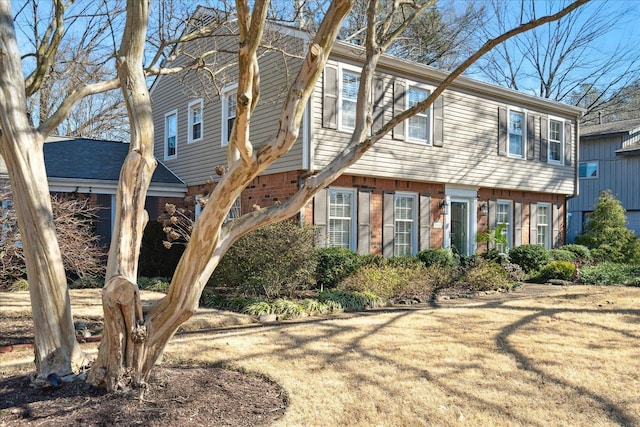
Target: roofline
x=619, y=132
x=357, y=52
x=98, y=186
x=160, y=162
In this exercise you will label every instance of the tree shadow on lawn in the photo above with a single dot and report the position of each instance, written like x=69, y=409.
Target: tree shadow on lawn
x=292, y=346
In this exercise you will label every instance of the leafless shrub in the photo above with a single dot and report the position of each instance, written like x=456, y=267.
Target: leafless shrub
x=74, y=217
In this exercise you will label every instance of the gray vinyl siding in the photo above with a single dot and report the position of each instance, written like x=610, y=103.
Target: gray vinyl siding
x=616, y=173
x=195, y=162
x=469, y=155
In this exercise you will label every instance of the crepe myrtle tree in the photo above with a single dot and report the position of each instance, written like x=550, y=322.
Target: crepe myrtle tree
x=134, y=339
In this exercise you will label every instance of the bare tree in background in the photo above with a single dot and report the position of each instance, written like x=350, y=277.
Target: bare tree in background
x=133, y=340
x=562, y=60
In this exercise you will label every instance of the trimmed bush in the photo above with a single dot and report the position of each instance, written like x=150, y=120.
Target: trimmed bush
x=562, y=255
x=581, y=252
x=609, y=273
x=404, y=262
x=486, y=276
x=529, y=257
x=562, y=270
x=334, y=265
x=442, y=257
x=273, y=261
x=606, y=233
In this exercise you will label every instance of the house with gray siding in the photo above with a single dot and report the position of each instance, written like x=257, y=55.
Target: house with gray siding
x=479, y=156
x=609, y=160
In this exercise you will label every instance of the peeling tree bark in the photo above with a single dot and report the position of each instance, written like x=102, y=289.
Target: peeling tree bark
x=56, y=349
x=121, y=354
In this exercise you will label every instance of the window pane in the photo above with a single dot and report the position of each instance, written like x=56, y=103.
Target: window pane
x=503, y=216
x=340, y=218
x=543, y=226
x=348, y=114
x=404, y=225
x=418, y=127
x=516, y=146
x=350, y=83
x=416, y=95
x=231, y=105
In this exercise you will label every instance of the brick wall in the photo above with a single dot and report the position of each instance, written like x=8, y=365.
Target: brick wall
x=269, y=189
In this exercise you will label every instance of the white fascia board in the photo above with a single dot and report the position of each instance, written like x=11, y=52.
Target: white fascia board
x=87, y=186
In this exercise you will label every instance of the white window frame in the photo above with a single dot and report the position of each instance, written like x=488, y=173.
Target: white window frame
x=191, y=107
x=167, y=115
x=524, y=132
x=226, y=92
x=547, y=235
x=428, y=113
x=352, y=218
x=508, y=230
x=561, y=141
x=413, y=220
x=595, y=162
x=342, y=68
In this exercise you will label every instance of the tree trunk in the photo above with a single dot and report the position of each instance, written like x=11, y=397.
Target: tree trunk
x=56, y=348
x=119, y=362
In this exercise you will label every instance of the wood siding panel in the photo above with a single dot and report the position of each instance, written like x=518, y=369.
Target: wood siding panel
x=196, y=161
x=619, y=174
x=468, y=157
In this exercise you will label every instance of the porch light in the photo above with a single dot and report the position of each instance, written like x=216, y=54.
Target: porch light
x=484, y=209
x=444, y=207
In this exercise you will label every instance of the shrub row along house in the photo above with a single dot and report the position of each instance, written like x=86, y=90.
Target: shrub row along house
x=481, y=155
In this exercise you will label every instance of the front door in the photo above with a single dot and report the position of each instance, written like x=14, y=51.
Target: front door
x=460, y=226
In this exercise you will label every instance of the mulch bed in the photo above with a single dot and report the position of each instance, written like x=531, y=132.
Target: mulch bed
x=177, y=395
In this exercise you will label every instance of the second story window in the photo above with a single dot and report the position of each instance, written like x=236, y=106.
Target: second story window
x=555, y=141
x=418, y=125
x=588, y=170
x=517, y=133
x=171, y=135
x=228, y=112
x=195, y=120
x=349, y=84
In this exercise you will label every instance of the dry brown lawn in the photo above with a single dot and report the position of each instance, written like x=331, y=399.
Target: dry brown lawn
x=568, y=357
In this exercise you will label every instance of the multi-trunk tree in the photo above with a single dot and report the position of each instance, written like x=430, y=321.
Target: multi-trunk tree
x=134, y=339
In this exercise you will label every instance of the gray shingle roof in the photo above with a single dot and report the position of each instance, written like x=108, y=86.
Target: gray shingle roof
x=84, y=158
x=621, y=126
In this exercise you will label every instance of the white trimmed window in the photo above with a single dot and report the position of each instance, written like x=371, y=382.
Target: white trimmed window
x=341, y=231
x=406, y=220
x=418, y=126
x=543, y=214
x=517, y=133
x=588, y=169
x=195, y=120
x=503, y=216
x=349, y=84
x=171, y=135
x=228, y=112
x=556, y=141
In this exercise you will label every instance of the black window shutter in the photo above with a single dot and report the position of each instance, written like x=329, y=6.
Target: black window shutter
x=330, y=98
x=502, y=131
